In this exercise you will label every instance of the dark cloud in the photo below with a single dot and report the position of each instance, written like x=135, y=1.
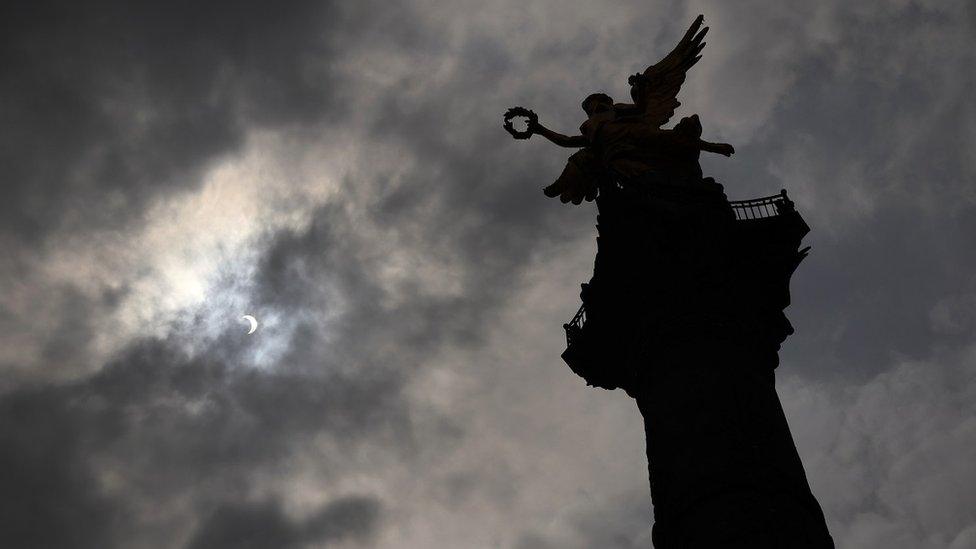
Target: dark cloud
x=851, y=294
x=621, y=522
x=264, y=525
x=167, y=425
x=51, y=499
x=104, y=107
x=880, y=166
x=533, y=541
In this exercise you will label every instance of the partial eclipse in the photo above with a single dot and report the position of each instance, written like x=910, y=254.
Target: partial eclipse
x=253, y=321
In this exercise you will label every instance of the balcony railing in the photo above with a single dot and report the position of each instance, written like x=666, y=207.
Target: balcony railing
x=761, y=208
x=756, y=208
x=575, y=326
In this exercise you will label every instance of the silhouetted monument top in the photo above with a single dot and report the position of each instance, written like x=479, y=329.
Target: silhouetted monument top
x=685, y=313
x=621, y=141
x=674, y=255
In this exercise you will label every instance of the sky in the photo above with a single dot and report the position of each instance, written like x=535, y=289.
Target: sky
x=339, y=171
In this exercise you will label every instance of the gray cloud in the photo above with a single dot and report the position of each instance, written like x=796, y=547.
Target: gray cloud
x=871, y=450
x=164, y=426
x=103, y=107
x=264, y=525
x=52, y=501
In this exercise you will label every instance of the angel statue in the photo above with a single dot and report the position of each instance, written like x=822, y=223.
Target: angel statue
x=619, y=141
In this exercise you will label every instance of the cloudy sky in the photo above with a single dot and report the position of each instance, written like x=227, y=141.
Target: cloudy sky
x=338, y=170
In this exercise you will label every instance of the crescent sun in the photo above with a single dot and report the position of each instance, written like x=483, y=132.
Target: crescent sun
x=253, y=321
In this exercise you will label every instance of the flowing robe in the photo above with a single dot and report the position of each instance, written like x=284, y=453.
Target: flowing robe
x=624, y=145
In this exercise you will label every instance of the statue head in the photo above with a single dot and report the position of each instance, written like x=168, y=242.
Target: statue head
x=596, y=103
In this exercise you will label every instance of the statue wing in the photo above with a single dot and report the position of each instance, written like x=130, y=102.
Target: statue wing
x=655, y=91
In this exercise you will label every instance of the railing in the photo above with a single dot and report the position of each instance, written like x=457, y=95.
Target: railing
x=761, y=208
x=756, y=208
x=575, y=326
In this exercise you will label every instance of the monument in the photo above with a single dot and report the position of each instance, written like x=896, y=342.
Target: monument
x=684, y=312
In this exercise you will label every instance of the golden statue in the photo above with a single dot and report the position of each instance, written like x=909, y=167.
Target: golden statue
x=620, y=141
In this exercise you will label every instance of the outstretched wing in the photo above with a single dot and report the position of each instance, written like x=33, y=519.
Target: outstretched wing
x=655, y=91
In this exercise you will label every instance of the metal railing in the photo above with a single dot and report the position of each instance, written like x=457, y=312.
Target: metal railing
x=761, y=208
x=575, y=326
x=756, y=208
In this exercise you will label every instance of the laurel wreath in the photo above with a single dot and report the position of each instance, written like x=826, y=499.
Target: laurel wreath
x=514, y=112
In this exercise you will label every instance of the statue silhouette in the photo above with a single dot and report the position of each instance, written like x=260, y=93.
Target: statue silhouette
x=684, y=312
